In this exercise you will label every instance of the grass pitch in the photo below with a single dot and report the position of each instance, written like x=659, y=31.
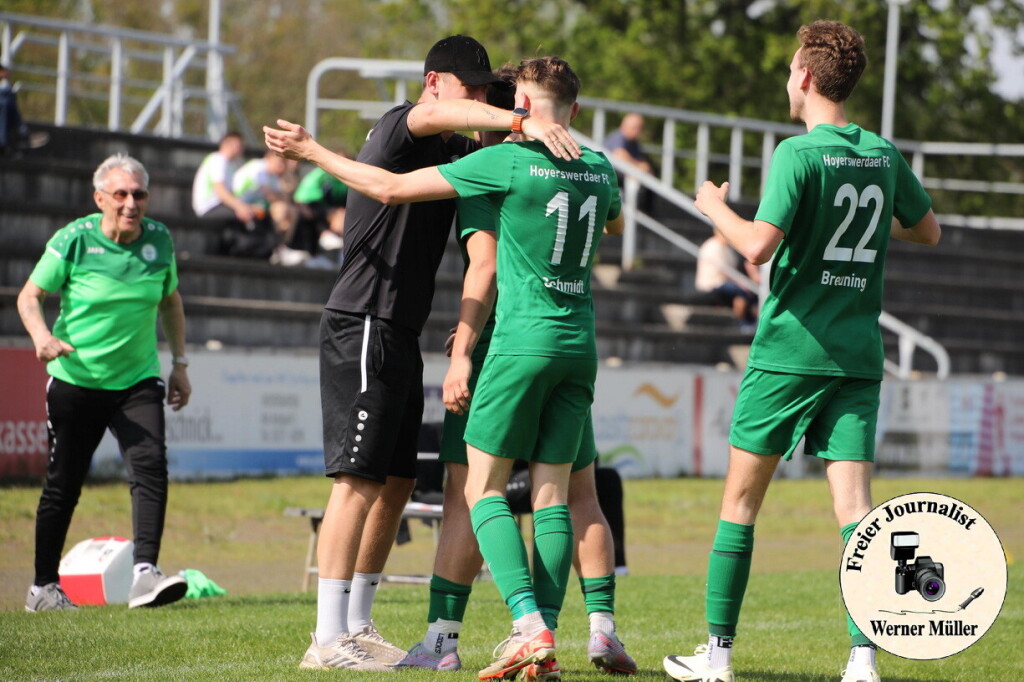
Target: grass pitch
x=791, y=630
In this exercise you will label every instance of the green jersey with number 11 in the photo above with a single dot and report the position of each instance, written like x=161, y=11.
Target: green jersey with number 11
x=833, y=192
x=551, y=214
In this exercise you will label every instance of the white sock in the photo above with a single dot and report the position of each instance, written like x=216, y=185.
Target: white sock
x=34, y=590
x=364, y=589
x=442, y=636
x=602, y=621
x=332, y=597
x=719, y=651
x=530, y=625
x=864, y=655
x=139, y=569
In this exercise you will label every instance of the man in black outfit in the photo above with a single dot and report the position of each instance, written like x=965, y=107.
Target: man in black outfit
x=371, y=370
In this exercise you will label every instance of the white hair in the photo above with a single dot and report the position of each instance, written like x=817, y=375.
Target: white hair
x=120, y=162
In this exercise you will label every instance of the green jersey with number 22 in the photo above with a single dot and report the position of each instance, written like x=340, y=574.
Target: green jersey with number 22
x=833, y=192
x=551, y=214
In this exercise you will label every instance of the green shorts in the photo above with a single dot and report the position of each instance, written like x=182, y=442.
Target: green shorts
x=532, y=407
x=837, y=415
x=453, y=444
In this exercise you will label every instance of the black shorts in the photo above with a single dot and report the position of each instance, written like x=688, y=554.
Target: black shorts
x=371, y=393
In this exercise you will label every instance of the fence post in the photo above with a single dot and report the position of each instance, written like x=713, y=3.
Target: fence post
x=600, y=123
x=60, y=115
x=767, y=149
x=668, y=152
x=116, y=74
x=735, y=163
x=630, y=190
x=703, y=154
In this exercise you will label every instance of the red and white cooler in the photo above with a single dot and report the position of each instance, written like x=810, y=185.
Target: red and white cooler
x=98, y=571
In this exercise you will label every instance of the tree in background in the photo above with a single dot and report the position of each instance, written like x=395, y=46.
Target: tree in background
x=724, y=56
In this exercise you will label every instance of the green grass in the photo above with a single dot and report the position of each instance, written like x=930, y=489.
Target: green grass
x=791, y=629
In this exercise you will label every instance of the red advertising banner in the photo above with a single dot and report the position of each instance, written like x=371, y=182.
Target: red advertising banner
x=23, y=445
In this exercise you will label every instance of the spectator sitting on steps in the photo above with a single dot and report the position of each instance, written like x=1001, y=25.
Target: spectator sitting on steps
x=715, y=252
x=14, y=132
x=231, y=222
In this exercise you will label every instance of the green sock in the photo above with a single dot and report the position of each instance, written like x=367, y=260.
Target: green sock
x=857, y=637
x=552, y=558
x=448, y=600
x=599, y=593
x=728, y=570
x=502, y=548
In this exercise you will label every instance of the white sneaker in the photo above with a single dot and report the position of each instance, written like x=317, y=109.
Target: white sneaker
x=153, y=588
x=695, y=668
x=343, y=652
x=383, y=651
x=421, y=657
x=860, y=672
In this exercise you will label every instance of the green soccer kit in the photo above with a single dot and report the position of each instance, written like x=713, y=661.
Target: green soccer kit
x=537, y=384
x=477, y=214
x=551, y=214
x=109, y=298
x=833, y=192
x=816, y=363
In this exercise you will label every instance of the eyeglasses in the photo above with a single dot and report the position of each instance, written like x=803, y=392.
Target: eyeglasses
x=121, y=195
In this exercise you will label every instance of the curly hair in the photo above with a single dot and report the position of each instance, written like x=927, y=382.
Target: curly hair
x=553, y=75
x=834, y=54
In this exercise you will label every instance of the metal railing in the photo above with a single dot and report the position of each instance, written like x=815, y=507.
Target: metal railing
x=141, y=82
x=908, y=338
x=740, y=132
x=397, y=74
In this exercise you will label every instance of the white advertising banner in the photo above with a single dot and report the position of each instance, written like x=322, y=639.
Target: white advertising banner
x=250, y=414
x=259, y=414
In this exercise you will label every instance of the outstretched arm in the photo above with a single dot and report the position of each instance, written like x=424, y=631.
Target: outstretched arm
x=430, y=118
x=756, y=240
x=292, y=141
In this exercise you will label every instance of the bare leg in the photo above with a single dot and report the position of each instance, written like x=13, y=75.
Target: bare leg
x=594, y=556
x=341, y=532
x=746, y=483
x=487, y=476
x=458, y=557
x=549, y=484
x=382, y=524
x=850, y=485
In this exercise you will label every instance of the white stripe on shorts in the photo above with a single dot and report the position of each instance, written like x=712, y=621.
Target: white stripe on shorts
x=362, y=356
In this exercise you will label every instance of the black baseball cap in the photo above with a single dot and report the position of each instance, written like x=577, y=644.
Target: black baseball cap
x=462, y=56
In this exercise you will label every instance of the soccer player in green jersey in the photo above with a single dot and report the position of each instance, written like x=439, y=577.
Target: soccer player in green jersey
x=815, y=366
x=537, y=384
x=457, y=560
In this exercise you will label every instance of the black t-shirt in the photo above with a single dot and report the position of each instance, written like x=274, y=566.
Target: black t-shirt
x=392, y=252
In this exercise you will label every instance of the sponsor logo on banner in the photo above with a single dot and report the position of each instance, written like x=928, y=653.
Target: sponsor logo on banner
x=639, y=422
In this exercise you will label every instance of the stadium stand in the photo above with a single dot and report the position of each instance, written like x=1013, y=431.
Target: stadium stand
x=966, y=292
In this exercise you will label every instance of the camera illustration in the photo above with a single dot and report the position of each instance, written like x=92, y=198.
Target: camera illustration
x=923, y=575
